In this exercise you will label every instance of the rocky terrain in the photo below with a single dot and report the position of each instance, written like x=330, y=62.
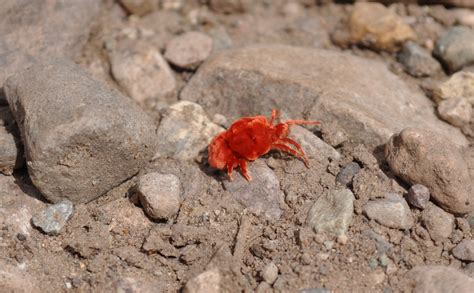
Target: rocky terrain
x=107, y=109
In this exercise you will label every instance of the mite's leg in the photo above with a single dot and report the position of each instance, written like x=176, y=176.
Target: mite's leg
x=293, y=122
x=244, y=170
x=297, y=145
x=285, y=148
x=231, y=163
x=275, y=115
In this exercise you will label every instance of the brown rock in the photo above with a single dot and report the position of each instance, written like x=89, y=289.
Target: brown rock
x=459, y=85
x=438, y=279
x=421, y=156
x=139, y=7
x=375, y=26
x=332, y=87
x=456, y=111
x=439, y=224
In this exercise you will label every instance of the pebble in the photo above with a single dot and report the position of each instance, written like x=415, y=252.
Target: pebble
x=420, y=156
x=455, y=48
x=347, y=173
x=465, y=250
x=53, y=218
x=463, y=225
x=391, y=211
x=456, y=111
x=208, y=282
x=439, y=223
x=189, y=50
x=332, y=212
x=184, y=131
x=459, y=85
x=231, y=83
x=270, y=273
x=139, y=7
x=438, y=279
x=142, y=72
x=81, y=139
x=159, y=195
x=418, y=196
x=263, y=287
x=262, y=195
x=418, y=61
x=377, y=27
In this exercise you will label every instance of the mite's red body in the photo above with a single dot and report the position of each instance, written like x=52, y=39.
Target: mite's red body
x=251, y=137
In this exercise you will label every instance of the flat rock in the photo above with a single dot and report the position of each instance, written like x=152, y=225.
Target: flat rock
x=56, y=28
x=424, y=157
x=455, y=48
x=18, y=203
x=160, y=195
x=439, y=223
x=189, y=50
x=81, y=138
x=184, y=131
x=142, y=72
x=418, y=61
x=464, y=250
x=459, y=85
x=375, y=26
x=53, y=218
x=332, y=212
x=391, y=211
x=438, y=279
x=332, y=87
x=262, y=195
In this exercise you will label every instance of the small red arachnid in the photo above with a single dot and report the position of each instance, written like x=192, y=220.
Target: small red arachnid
x=251, y=137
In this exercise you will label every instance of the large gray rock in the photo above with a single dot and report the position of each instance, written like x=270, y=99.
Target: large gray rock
x=35, y=29
x=365, y=99
x=80, y=138
x=391, y=211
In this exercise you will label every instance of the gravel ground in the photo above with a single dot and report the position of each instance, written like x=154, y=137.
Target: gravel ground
x=107, y=109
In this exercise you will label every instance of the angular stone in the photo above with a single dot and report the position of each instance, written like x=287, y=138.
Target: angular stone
x=418, y=61
x=332, y=212
x=53, y=218
x=33, y=30
x=439, y=223
x=375, y=26
x=424, y=157
x=262, y=195
x=189, y=50
x=160, y=195
x=312, y=145
x=456, y=111
x=332, y=87
x=418, y=196
x=438, y=279
x=184, y=131
x=142, y=72
x=464, y=250
x=347, y=173
x=80, y=138
x=459, y=85
x=270, y=273
x=455, y=48
x=392, y=212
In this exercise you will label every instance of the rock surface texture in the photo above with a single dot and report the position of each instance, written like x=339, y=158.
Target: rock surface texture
x=438, y=279
x=32, y=30
x=424, y=157
x=80, y=138
x=253, y=80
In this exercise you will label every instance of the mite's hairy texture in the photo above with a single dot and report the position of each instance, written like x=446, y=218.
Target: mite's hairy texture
x=250, y=138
